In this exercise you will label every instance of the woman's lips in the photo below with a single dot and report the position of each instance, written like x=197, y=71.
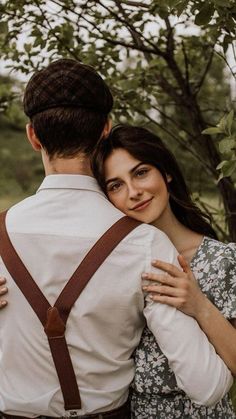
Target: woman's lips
x=142, y=205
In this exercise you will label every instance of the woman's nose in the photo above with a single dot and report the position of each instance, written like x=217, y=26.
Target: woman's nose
x=134, y=192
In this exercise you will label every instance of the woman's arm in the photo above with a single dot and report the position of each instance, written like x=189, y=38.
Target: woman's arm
x=3, y=291
x=180, y=289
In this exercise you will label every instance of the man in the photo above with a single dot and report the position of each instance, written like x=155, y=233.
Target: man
x=68, y=105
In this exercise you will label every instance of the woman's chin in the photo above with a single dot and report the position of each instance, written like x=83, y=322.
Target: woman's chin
x=142, y=218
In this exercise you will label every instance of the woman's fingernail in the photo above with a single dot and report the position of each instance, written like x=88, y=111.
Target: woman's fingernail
x=3, y=303
x=144, y=275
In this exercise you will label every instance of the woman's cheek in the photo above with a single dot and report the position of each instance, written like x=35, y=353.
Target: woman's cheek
x=119, y=201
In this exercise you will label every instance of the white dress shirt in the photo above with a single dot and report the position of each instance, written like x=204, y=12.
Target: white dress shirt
x=52, y=231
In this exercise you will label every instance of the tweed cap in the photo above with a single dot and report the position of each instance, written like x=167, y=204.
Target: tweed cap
x=67, y=83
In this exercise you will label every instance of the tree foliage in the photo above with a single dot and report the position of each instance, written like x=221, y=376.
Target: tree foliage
x=165, y=61
x=227, y=145
x=11, y=112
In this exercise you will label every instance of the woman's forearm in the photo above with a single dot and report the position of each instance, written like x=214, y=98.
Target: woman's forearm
x=180, y=290
x=220, y=332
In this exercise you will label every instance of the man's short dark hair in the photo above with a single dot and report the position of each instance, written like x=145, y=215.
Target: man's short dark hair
x=68, y=104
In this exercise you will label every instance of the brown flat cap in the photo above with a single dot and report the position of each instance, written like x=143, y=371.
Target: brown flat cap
x=67, y=83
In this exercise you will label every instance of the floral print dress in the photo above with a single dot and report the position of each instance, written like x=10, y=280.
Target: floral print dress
x=154, y=391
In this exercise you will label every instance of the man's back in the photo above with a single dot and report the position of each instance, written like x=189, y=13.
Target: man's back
x=52, y=231
x=68, y=105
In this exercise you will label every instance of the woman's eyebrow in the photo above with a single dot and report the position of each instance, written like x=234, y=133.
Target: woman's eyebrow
x=135, y=167
x=111, y=180
x=131, y=171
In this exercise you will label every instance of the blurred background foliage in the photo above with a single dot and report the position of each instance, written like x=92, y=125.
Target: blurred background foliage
x=167, y=65
x=21, y=168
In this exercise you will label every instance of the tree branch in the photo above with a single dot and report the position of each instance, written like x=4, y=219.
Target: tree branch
x=169, y=89
x=186, y=63
x=141, y=48
x=135, y=4
x=208, y=210
x=175, y=123
x=136, y=38
x=207, y=68
x=181, y=142
x=226, y=62
x=71, y=52
x=156, y=50
x=170, y=60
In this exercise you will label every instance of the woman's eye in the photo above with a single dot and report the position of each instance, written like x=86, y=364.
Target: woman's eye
x=114, y=187
x=141, y=172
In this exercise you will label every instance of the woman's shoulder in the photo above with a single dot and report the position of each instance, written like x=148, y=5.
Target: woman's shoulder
x=219, y=249
x=215, y=270
x=215, y=258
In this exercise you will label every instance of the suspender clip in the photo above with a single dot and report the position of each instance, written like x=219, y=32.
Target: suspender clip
x=54, y=327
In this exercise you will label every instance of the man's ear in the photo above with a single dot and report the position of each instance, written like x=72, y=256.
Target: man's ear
x=33, y=139
x=106, y=129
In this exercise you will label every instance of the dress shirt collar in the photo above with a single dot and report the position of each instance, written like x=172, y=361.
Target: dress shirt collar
x=66, y=181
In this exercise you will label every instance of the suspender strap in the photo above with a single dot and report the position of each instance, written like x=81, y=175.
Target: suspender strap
x=54, y=318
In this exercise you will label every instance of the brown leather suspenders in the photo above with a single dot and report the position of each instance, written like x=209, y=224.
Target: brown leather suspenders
x=54, y=318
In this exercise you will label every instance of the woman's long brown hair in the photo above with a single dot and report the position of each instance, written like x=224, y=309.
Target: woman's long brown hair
x=148, y=148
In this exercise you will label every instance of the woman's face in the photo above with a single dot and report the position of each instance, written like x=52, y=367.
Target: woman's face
x=137, y=189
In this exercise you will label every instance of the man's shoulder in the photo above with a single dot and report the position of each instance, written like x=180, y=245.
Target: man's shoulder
x=146, y=234
x=21, y=206
x=18, y=215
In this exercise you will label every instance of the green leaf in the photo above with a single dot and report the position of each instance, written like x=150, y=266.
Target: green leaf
x=36, y=32
x=229, y=120
x=28, y=47
x=222, y=124
x=3, y=28
x=221, y=164
x=38, y=42
x=225, y=124
x=223, y=3
x=205, y=14
x=212, y=131
x=227, y=145
x=163, y=12
x=173, y=3
x=227, y=168
x=181, y=7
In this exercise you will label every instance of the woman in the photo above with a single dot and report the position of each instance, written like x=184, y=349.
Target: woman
x=142, y=178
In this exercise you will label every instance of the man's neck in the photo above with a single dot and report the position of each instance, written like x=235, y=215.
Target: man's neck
x=79, y=165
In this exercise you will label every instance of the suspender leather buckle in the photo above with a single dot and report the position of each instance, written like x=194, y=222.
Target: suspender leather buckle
x=54, y=327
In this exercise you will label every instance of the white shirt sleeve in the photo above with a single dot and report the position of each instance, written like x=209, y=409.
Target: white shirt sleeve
x=199, y=371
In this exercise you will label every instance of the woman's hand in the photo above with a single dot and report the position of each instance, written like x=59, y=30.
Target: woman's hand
x=3, y=291
x=175, y=287
x=179, y=288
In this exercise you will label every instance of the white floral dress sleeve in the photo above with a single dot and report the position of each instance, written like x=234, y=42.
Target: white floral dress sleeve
x=215, y=269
